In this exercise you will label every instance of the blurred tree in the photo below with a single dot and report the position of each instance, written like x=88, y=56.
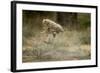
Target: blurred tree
x=32, y=20
x=84, y=19
x=68, y=19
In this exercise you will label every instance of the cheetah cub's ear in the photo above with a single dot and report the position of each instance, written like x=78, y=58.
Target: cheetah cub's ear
x=44, y=20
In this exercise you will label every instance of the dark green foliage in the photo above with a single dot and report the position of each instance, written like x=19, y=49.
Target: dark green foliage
x=84, y=20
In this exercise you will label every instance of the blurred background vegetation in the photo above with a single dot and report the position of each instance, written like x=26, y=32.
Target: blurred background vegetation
x=76, y=36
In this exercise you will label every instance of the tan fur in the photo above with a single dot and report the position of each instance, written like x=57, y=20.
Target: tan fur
x=51, y=27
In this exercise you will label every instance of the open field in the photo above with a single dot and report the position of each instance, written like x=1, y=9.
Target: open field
x=68, y=45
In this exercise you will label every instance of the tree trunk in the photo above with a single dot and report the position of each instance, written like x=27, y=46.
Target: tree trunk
x=68, y=20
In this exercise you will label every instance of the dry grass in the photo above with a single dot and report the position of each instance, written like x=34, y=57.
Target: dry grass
x=69, y=45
